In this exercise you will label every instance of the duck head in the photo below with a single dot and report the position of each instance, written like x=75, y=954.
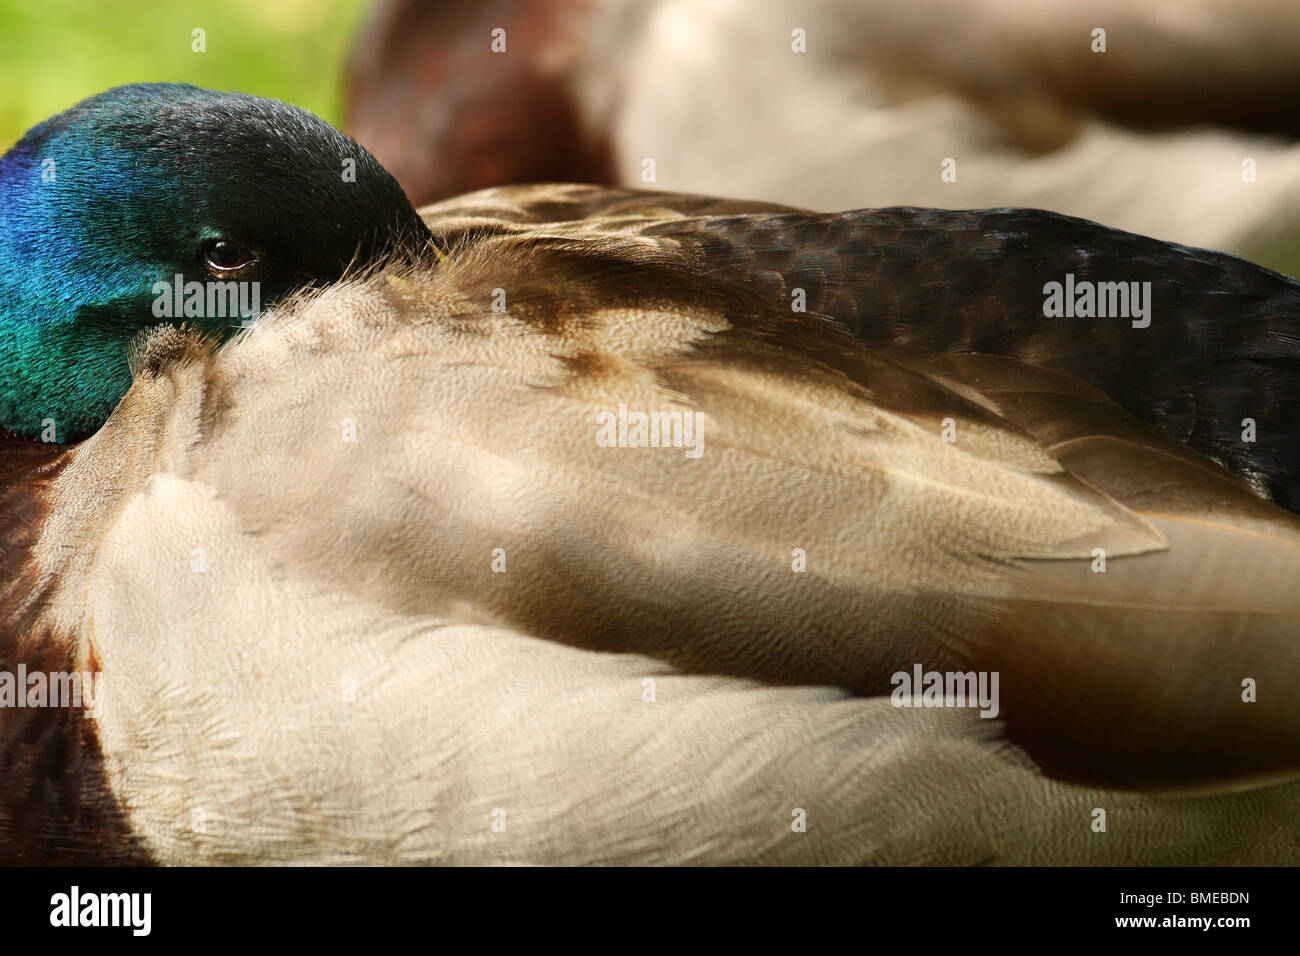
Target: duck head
x=109, y=206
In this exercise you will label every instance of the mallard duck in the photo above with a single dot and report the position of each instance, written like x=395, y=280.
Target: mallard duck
x=1178, y=123
x=547, y=530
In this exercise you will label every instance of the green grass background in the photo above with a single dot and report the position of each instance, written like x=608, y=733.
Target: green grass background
x=56, y=52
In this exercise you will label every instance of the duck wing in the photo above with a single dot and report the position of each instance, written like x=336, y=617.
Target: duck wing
x=1215, y=367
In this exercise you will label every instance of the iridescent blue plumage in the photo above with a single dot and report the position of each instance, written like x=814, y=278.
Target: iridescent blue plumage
x=134, y=187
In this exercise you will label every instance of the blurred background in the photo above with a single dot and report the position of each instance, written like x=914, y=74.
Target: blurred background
x=1177, y=119
x=56, y=52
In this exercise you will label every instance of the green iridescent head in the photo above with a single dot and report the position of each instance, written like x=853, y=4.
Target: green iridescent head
x=165, y=203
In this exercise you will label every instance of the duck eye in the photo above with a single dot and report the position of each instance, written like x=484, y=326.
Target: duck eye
x=227, y=255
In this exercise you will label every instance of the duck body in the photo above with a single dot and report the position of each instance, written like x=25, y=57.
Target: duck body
x=364, y=584
x=392, y=701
